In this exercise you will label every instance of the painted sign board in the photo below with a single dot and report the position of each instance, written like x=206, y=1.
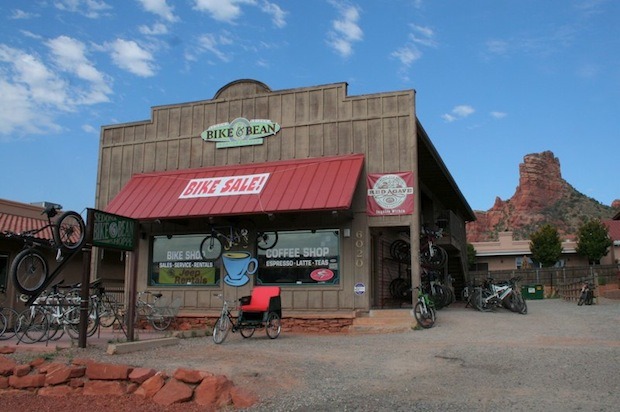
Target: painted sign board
x=389, y=194
x=112, y=231
x=240, y=132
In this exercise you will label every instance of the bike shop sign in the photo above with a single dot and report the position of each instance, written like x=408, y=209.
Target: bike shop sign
x=112, y=231
x=389, y=194
x=240, y=132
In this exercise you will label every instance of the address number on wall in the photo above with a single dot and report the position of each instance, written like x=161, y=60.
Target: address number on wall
x=359, y=248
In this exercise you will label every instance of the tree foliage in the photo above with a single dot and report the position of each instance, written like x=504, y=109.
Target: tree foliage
x=471, y=255
x=593, y=240
x=546, y=246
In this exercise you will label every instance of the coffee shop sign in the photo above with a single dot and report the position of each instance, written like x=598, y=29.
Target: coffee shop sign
x=240, y=132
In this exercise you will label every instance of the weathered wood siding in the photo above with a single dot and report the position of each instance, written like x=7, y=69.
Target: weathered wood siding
x=315, y=122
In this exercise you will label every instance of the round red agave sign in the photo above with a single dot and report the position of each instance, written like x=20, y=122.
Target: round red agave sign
x=321, y=275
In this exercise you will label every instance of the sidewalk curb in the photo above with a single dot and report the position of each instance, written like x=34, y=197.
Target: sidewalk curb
x=126, y=347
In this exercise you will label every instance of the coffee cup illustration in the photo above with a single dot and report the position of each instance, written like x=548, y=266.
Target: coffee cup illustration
x=237, y=265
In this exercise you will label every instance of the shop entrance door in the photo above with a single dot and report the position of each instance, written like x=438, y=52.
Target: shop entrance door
x=391, y=268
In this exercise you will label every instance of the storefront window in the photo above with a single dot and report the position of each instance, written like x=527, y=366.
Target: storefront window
x=303, y=257
x=177, y=262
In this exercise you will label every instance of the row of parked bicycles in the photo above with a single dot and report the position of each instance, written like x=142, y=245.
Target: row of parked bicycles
x=493, y=294
x=56, y=312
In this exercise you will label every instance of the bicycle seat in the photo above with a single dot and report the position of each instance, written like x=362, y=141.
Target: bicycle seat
x=51, y=210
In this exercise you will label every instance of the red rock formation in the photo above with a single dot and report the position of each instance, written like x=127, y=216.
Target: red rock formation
x=541, y=197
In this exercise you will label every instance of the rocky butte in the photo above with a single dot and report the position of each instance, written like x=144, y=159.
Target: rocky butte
x=542, y=197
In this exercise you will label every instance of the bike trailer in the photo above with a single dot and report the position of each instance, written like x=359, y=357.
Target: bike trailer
x=264, y=300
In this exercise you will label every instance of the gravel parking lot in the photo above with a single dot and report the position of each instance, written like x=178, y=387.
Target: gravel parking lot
x=558, y=357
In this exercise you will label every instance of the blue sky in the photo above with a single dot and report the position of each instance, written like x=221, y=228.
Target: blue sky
x=495, y=80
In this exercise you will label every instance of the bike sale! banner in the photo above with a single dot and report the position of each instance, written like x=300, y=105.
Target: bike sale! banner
x=389, y=194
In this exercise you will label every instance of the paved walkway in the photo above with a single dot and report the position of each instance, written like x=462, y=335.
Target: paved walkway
x=102, y=338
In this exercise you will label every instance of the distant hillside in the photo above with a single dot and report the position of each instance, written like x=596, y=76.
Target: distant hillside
x=542, y=197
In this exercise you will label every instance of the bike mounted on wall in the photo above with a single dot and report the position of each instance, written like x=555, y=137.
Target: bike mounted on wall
x=238, y=235
x=30, y=269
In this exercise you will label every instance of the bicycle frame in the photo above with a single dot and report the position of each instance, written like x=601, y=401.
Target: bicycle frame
x=424, y=310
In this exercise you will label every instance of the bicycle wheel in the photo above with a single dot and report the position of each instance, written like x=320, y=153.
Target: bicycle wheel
x=274, y=326
x=266, y=240
x=72, y=320
x=247, y=332
x=520, y=304
x=400, y=250
x=11, y=325
x=221, y=329
x=434, y=257
x=424, y=315
x=160, y=318
x=481, y=302
x=3, y=323
x=52, y=310
x=33, y=325
x=211, y=248
x=400, y=288
x=70, y=231
x=108, y=310
x=29, y=271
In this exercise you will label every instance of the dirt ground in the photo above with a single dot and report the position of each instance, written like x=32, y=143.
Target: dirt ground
x=557, y=357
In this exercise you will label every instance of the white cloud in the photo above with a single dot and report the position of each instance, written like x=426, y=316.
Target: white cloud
x=33, y=91
x=420, y=36
x=156, y=30
x=229, y=11
x=458, y=112
x=221, y=10
x=29, y=93
x=407, y=55
x=424, y=36
x=22, y=15
x=498, y=115
x=160, y=8
x=87, y=128
x=70, y=55
x=212, y=43
x=277, y=14
x=346, y=30
x=497, y=47
x=90, y=8
x=128, y=55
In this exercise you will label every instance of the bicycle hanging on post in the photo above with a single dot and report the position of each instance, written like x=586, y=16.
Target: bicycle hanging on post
x=29, y=269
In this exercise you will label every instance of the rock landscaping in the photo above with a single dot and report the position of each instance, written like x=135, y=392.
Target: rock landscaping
x=86, y=377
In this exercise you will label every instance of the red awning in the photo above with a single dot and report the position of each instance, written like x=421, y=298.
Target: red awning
x=325, y=183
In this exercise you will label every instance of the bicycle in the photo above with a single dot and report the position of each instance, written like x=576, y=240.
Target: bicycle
x=424, y=310
x=8, y=318
x=61, y=312
x=247, y=322
x=586, y=294
x=156, y=314
x=504, y=294
x=29, y=270
x=266, y=240
x=108, y=309
x=223, y=238
x=432, y=255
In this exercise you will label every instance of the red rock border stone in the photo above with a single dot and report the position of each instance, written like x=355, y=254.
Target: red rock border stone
x=86, y=377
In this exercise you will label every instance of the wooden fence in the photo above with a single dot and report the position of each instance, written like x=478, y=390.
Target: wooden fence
x=562, y=282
